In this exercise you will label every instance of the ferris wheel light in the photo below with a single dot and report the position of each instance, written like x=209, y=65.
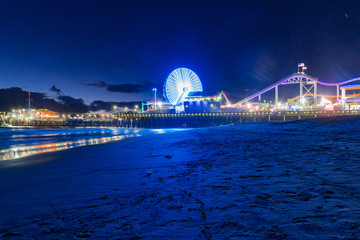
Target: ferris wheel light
x=179, y=84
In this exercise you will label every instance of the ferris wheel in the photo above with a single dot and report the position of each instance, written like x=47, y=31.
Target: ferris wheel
x=179, y=83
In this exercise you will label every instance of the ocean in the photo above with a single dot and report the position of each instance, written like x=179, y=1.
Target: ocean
x=19, y=143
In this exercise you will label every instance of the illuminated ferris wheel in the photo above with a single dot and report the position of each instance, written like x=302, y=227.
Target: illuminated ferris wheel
x=179, y=83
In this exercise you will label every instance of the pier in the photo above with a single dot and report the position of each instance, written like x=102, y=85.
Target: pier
x=183, y=120
x=194, y=120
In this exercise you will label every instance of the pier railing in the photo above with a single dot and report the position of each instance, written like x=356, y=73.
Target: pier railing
x=163, y=120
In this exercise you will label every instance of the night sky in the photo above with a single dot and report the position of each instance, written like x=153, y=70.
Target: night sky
x=120, y=50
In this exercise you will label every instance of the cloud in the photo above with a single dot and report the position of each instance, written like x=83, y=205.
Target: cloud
x=73, y=104
x=129, y=88
x=123, y=88
x=108, y=106
x=14, y=98
x=99, y=84
x=56, y=90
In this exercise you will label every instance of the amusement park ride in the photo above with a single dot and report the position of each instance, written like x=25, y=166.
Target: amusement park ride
x=308, y=87
x=183, y=92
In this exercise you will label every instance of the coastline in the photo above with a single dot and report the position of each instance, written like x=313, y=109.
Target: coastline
x=251, y=180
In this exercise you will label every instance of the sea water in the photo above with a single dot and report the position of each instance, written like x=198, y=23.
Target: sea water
x=18, y=143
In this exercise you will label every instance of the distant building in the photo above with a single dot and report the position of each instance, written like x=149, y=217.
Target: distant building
x=202, y=102
x=46, y=114
x=350, y=101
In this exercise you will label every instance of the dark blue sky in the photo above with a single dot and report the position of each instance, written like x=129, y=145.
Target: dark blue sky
x=231, y=45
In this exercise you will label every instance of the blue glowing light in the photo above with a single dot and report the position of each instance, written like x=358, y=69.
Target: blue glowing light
x=179, y=84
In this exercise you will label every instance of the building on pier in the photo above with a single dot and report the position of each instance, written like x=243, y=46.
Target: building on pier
x=46, y=114
x=351, y=101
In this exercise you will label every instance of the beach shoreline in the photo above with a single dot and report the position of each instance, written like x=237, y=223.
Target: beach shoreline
x=258, y=181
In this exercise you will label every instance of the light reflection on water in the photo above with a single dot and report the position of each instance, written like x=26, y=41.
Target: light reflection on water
x=24, y=151
x=19, y=143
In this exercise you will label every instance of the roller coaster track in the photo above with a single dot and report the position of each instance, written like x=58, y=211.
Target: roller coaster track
x=327, y=96
x=292, y=79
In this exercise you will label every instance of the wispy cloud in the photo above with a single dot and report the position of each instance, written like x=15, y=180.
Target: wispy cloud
x=56, y=90
x=123, y=88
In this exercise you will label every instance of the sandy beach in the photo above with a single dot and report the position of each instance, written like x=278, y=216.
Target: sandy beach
x=297, y=180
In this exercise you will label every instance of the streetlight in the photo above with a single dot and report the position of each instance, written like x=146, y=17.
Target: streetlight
x=154, y=90
x=136, y=107
x=303, y=101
